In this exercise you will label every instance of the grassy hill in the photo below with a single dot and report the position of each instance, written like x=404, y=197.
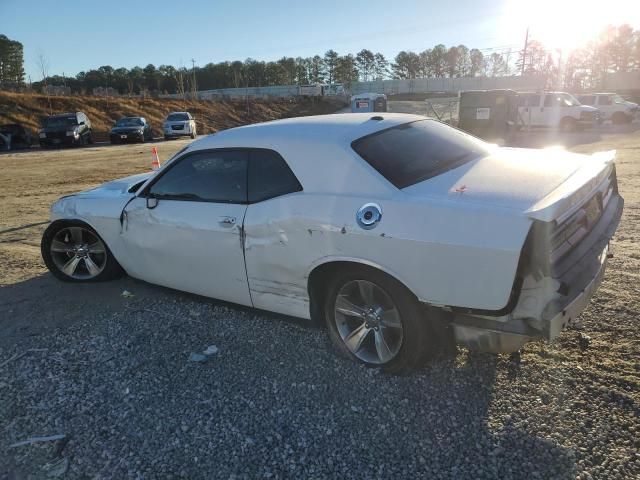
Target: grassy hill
x=211, y=116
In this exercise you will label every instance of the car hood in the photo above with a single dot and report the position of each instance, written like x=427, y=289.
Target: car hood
x=117, y=187
x=518, y=180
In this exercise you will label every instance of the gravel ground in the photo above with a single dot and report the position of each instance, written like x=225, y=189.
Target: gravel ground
x=113, y=375
x=133, y=406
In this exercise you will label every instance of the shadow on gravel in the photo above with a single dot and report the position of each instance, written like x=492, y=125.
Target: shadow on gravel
x=39, y=305
x=467, y=437
x=274, y=402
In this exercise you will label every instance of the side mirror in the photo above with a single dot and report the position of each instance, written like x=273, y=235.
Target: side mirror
x=152, y=202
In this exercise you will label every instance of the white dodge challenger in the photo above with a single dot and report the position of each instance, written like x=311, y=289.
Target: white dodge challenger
x=399, y=232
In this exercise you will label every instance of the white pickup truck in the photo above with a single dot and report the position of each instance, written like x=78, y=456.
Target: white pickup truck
x=555, y=110
x=612, y=106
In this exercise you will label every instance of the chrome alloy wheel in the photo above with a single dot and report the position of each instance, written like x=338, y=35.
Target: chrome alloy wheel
x=368, y=322
x=78, y=253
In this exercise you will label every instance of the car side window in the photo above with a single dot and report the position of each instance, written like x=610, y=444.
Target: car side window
x=587, y=100
x=604, y=100
x=270, y=176
x=209, y=176
x=529, y=100
x=551, y=101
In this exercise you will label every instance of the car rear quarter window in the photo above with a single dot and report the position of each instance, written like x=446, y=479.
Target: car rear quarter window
x=412, y=152
x=269, y=176
x=211, y=176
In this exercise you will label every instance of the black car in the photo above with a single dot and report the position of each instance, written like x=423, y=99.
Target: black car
x=131, y=129
x=14, y=135
x=65, y=129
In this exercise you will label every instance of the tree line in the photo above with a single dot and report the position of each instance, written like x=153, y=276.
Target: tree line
x=11, y=63
x=616, y=49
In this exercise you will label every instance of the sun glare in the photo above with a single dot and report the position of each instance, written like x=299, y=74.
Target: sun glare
x=566, y=24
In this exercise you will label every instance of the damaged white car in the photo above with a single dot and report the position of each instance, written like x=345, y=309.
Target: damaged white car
x=399, y=232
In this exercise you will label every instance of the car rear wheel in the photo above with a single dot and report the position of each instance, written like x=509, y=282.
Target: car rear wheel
x=374, y=319
x=568, y=124
x=74, y=252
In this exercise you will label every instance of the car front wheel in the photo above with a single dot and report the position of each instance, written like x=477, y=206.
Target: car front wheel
x=568, y=124
x=374, y=319
x=74, y=252
x=620, y=118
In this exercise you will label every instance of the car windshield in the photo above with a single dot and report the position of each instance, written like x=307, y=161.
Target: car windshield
x=54, y=122
x=175, y=117
x=129, y=122
x=618, y=99
x=413, y=152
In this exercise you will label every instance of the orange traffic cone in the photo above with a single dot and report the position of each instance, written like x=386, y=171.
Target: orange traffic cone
x=155, y=160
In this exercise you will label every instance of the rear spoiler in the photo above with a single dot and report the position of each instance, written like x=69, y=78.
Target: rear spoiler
x=568, y=196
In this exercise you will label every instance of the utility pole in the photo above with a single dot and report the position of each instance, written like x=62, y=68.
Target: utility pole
x=524, y=52
x=193, y=73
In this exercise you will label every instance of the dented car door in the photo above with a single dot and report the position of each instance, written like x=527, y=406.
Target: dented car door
x=184, y=230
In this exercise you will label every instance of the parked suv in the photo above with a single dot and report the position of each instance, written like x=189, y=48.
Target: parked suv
x=612, y=106
x=14, y=135
x=555, y=110
x=179, y=124
x=65, y=129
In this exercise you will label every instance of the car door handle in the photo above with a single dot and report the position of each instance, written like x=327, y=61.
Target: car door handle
x=227, y=221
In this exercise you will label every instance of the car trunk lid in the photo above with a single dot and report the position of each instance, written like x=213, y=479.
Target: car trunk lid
x=542, y=184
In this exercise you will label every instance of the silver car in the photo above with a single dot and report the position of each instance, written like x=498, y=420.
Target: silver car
x=179, y=124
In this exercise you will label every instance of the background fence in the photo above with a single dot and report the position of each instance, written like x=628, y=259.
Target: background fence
x=427, y=85
x=279, y=91
x=621, y=81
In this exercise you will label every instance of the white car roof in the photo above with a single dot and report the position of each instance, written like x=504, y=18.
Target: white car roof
x=340, y=128
x=317, y=148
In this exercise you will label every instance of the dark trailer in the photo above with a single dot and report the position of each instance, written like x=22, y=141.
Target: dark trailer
x=488, y=114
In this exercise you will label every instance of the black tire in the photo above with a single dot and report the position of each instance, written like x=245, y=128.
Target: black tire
x=167, y=137
x=90, y=138
x=111, y=269
x=568, y=124
x=619, y=118
x=193, y=135
x=418, y=339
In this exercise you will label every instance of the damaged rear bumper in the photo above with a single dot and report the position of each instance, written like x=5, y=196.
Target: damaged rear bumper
x=546, y=306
